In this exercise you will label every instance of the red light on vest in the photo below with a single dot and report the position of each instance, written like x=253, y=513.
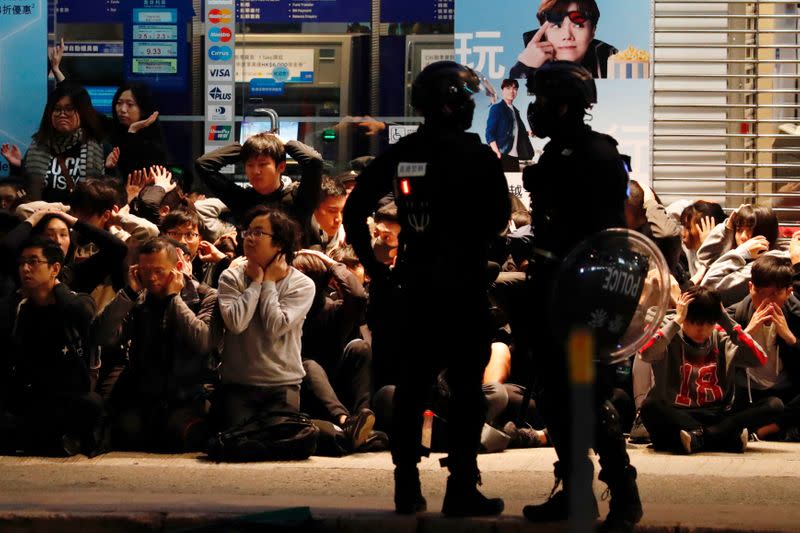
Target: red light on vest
x=405, y=187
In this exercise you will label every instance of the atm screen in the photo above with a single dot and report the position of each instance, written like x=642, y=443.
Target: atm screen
x=289, y=129
x=101, y=97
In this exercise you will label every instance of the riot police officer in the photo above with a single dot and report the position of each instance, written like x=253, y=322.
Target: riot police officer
x=452, y=199
x=578, y=188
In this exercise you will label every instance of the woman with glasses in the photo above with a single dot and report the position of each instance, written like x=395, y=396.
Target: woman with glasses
x=566, y=33
x=66, y=148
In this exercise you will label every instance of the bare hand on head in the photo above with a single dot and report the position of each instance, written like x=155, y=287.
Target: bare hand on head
x=682, y=307
x=763, y=315
x=277, y=269
x=134, y=281
x=136, y=182
x=756, y=246
x=176, y=282
x=232, y=235
x=730, y=222
x=254, y=271
x=538, y=52
x=12, y=154
x=704, y=228
x=208, y=253
x=142, y=124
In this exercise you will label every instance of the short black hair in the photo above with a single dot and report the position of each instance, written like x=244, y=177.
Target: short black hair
x=771, y=271
x=50, y=250
x=266, y=144
x=158, y=244
x=285, y=231
x=701, y=208
x=509, y=82
x=179, y=217
x=332, y=187
x=345, y=254
x=636, y=197
x=761, y=219
x=387, y=213
x=93, y=196
x=706, y=308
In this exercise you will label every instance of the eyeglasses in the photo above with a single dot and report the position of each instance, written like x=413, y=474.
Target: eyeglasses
x=66, y=111
x=191, y=235
x=150, y=272
x=254, y=233
x=576, y=17
x=31, y=261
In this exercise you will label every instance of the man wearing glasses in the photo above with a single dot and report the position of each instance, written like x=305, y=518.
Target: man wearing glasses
x=46, y=406
x=163, y=318
x=263, y=301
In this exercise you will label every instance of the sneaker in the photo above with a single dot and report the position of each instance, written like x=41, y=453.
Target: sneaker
x=739, y=443
x=692, y=441
x=378, y=441
x=524, y=437
x=358, y=427
x=639, y=433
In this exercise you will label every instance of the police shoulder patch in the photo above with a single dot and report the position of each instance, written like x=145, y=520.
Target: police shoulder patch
x=411, y=170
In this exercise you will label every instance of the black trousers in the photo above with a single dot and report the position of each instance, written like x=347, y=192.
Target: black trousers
x=548, y=340
x=153, y=426
x=720, y=427
x=452, y=333
x=790, y=418
x=37, y=425
x=339, y=389
x=233, y=404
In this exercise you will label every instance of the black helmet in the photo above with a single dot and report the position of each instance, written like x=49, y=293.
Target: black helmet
x=565, y=79
x=444, y=83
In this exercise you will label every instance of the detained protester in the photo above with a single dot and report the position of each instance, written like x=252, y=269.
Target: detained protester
x=163, y=318
x=587, y=163
x=264, y=159
x=327, y=218
x=206, y=261
x=46, y=406
x=433, y=306
x=263, y=301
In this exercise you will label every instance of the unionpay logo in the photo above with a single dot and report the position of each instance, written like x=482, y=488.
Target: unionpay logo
x=220, y=35
x=220, y=73
x=220, y=53
x=218, y=132
x=220, y=93
x=220, y=16
x=219, y=113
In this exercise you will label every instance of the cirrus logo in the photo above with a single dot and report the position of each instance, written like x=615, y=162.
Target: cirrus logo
x=220, y=53
x=220, y=35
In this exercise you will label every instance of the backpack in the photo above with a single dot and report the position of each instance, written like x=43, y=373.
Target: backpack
x=274, y=436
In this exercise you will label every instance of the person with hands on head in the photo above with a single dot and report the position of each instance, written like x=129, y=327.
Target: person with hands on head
x=697, y=222
x=772, y=316
x=55, y=54
x=165, y=320
x=695, y=356
x=566, y=33
x=263, y=303
x=749, y=233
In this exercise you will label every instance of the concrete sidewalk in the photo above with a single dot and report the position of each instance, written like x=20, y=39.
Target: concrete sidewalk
x=757, y=491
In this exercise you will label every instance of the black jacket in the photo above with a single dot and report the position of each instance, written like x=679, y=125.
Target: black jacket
x=298, y=199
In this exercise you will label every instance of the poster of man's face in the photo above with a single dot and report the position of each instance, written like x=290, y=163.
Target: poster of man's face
x=610, y=38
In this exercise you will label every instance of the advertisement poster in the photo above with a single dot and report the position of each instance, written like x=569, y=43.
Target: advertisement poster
x=613, y=43
x=23, y=48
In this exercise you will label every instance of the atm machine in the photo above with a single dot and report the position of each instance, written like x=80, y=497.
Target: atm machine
x=333, y=84
x=421, y=51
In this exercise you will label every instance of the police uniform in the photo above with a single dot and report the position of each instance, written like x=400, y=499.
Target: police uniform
x=452, y=199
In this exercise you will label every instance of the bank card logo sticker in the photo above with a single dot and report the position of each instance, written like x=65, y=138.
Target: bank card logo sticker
x=218, y=132
x=220, y=16
x=220, y=53
x=220, y=93
x=219, y=113
x=412, y=170
x=220, y=35
x=220, y=73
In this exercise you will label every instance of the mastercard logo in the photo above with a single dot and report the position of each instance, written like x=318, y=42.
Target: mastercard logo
x=220, y=16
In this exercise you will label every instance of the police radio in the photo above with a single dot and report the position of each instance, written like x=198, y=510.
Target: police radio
x=412, y=192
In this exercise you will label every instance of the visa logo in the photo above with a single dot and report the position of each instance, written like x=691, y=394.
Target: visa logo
x=220, y=73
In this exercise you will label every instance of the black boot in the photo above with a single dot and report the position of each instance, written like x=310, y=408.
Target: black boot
x=555, y=509
x=625, y=507
x=463, y=498
x=408, y=498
